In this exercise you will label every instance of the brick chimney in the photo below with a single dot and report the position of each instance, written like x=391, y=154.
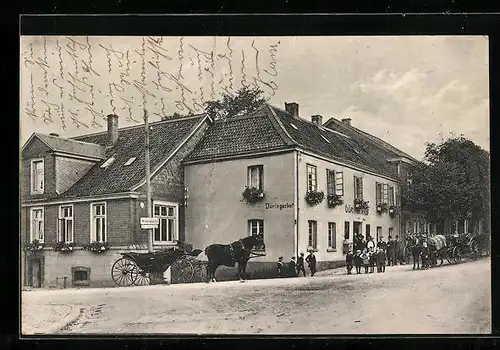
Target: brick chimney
x=112, y=129
x=292, y=108
x=317, y=120
x=347, y=121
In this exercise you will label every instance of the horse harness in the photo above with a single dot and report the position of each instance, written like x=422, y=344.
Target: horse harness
x=238, y=244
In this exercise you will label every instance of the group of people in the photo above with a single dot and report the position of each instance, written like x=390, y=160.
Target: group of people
x=367, y=254
x=294, y=268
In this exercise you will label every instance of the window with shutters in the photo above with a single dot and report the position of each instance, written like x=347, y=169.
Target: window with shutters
x=256, y=177
x=312, y=178
x=385, y=198
x=339, y=183
x=358, y=187
x=313, y=232
x=378, y=192
x=330, y=182
x=390, y=200
x=65, y=227
x=167, y=231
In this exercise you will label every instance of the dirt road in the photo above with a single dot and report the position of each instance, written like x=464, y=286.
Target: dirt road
x=449, y=299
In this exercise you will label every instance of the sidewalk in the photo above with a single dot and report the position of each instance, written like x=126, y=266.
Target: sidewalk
x=47, y=319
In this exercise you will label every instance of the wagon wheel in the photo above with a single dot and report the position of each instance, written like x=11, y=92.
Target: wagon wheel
x=457, y=258
x=449, y=256
x=141, y=277
x=182, y=271
x=122, y=272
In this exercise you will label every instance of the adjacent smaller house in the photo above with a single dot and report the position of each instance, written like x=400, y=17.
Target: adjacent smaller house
x=91, y=188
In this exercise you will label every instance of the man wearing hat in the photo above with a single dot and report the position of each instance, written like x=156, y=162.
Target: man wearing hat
x=280, y=266
x=311, y=261
x=391, y=256
x=300, y=265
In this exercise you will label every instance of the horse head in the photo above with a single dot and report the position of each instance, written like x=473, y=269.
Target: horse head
x=253, y=241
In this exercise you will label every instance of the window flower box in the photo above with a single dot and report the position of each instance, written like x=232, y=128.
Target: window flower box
x=314, y=197
x=97, y=247
x=334, y=200
x=360, y=204
x=253, y=194
x=63, y=247
x=33, y=246
x=382, y=208
x=394, y=211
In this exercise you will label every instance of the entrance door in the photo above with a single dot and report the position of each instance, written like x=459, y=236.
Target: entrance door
x=36, y=276
x=357, y=228
x=367, y=231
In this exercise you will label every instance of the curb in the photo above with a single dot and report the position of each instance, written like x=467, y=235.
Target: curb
x=73, y=315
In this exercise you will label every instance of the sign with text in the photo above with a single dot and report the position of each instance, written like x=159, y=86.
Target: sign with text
x=150, y=221
x=279, y=206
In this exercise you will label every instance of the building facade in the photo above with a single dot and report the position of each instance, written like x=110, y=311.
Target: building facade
x=92, y=189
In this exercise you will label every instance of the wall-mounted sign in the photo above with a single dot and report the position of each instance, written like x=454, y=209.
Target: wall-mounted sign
x=350, y=209
x=279, y=206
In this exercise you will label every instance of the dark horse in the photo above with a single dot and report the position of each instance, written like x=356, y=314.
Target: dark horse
x=229, y=254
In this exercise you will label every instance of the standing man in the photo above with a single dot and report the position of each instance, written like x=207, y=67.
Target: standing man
x=279, y=267
x=300, y=265
x=397, y=251
x=390, y=252
x=382, y=244
x=292, y=271
x=311, y=261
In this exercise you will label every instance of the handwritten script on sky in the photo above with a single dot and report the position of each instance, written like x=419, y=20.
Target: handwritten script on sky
x=78, y=81
x=407, y=90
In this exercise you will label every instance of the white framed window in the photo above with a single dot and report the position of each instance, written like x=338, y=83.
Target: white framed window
x=37, y=176
x=255, y=176
x=37, y=224
x=390, y=192
x=339, y=183
x=312, y=178
x=313, y=234
x=98, y=227
x=332, y=235
x=65, y=224
x=256, y=227
x=167, y=231
x=358, y=187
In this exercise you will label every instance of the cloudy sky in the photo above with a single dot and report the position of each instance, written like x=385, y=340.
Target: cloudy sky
x=405, y=90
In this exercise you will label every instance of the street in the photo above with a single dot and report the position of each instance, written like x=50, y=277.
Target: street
x=450, y=299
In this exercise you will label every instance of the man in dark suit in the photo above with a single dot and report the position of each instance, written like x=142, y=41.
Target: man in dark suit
x=300, y=265
x=390, y=252
x=292, y=268
x=311, y=261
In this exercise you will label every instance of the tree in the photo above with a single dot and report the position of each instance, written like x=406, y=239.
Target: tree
x=246, y=100
x=452, y=183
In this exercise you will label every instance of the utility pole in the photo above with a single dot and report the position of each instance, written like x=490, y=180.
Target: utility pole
x=148, y=182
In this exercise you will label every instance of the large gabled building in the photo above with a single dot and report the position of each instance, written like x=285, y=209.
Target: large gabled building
x=92, y=188
x=286, y=158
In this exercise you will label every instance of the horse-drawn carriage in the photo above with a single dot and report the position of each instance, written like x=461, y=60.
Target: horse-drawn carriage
x=138, y=268
x=453, y=248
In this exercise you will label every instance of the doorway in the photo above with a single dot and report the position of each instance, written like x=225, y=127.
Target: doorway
x=36, y=273
x=357, y=228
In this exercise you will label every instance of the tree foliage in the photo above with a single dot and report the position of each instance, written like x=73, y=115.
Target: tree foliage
x=452, y=183
x=246, y=100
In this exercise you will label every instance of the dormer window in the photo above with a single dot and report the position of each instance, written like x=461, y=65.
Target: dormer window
x=37, y=176
x=108, y=162
x=130, y=161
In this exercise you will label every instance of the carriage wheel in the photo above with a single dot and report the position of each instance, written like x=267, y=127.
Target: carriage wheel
x=449, y=256
x=457, y=258
x=182, y=271
x=141, y=277
x=122, y=272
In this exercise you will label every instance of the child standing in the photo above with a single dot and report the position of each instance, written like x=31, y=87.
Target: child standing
x=349, y=261
x=365, y=259
x=279, y=266
x=300, y=265
x=381, y=260
x=372, y=260
x=425, y=256
x=358, y=261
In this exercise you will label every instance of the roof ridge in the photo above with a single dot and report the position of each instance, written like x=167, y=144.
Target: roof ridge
x=67, y=139
x=170, y=120
x=373, y=138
